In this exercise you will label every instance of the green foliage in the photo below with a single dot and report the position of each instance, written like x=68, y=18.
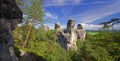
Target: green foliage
x=111, y=23
x=99, y=47
x=42, y=44
x=33, y=9
x=50, y=50
x=51, y=35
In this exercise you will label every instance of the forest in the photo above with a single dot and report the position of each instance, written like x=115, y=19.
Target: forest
x=37, y=44
x=102, y=45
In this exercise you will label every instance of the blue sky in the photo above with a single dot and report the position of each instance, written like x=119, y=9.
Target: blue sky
x=87, y=12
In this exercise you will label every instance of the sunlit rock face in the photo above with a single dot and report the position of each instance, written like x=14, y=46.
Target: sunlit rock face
x=57, y=26
x=10, y=16
x=68, y=37
x=70, y=24
x=45, y=28
x=80, y=32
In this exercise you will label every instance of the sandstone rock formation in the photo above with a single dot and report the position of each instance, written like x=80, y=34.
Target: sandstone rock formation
x=57, y=26
x=67, y=37
x=80, y=32
x=45, y=28
x=10, y=16
x=70, y=24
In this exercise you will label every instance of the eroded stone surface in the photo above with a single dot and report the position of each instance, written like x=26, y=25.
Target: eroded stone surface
x=70, y=25
x=10, y=16
x=67, y=37
x=45, y=28
x=80, y=32
x=57, y=26
x=10, y=10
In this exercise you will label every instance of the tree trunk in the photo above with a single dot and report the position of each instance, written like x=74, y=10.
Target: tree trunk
x=28, y=33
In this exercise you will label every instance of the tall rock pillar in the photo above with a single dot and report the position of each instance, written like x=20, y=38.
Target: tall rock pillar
x=80, y=32
x=57, y=26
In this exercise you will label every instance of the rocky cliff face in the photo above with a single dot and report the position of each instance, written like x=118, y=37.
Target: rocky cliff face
x=10, y=16
x=80, y=32
x=57, y=26
x=67, y=37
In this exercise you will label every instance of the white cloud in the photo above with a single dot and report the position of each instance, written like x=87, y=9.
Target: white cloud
x=52, y=26
x=49, y=15
x=86, y=26
x=98, y=2
x=90, y=26
x=61, y=2
x=98, y=27
x=117, y=26
x=98, y=13
x=88, y=16
x=69, y=2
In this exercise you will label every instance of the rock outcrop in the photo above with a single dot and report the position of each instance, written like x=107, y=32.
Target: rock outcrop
x=80, y=32
x=45, y=28
x=57, y=26
x=29, y=56
x=67, y=37
x=10, y=16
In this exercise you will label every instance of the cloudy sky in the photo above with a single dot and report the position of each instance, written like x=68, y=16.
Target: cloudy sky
x=87, y=12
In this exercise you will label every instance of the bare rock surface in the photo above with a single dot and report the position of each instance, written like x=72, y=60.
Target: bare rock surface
x=10, y=16
x=67, y=37
x=57, y=26
x=80, y=32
